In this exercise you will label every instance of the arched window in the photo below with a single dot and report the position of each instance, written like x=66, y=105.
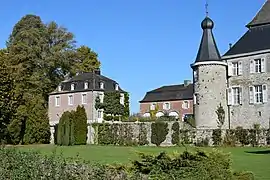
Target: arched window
x=159, y=114
x=146, y=115
x=174, y=113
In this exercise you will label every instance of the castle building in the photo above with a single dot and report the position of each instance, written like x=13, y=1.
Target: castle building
x=238, y=81
x=82, y=90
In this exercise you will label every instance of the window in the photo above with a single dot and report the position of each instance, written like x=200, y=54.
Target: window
x=258, y=65
x=70, y=100
x=166, y=106
x=57, y=100
x=153, y=106
x=101, y=85
x=116, y=87
x=101, y=97
x=122, y=99
x=235, y=68
x=59, y=88
x=258, y=94
x=72, y=87
x=84, y=100
x=195, y=74
x=86, y=85
x=99, y=114
x=185, y=105
x=236, y=100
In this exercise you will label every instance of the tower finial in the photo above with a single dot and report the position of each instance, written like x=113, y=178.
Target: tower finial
x=206, y=8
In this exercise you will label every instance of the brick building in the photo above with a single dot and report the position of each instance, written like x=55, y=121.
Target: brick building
x=174, y=100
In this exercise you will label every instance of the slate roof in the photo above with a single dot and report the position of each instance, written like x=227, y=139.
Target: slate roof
x=93, y=80
x=262, y=17
x=257, y=38
x=208, y=50
x=169, y=93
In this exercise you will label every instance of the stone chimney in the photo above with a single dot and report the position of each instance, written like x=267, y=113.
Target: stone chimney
x=97, y=71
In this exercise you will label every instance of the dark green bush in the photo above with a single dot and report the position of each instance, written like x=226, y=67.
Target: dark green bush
x=202, y=142
x=242, y=135
x=230, y=138
x=216, y=136
x=159, y=132
x=186, y=136
x=80, y=126
x=268, y=137
x=176, y=133
x=142, y=139
x=65, y=134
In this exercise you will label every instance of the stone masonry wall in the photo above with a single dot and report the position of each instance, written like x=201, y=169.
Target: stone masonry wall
x=246, y=115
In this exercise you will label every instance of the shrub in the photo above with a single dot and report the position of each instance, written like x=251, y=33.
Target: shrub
x=216, y=136
x=230, y=138
x=202, y=142
x=185, y=136
x=268, y=137
x=242, y=135
x=65, y=134
x=198, y=165
x=159, y=132
x=176, y=133
x=80, y=125
x=142, y=135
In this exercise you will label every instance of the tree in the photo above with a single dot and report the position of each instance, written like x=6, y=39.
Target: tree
x=86, y=60
x=80, y=126
x=221, y=115
x=65, y=132
x=126, y=106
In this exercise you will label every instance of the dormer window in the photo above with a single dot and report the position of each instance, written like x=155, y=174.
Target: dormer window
x=72, y=87
x=116, y=87
x=85, y=85
x=59, y=88
x=101, y=85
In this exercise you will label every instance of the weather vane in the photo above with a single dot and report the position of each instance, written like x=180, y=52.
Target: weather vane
x=206, y=8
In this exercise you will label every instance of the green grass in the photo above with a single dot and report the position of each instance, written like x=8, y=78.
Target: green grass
x=256, y=160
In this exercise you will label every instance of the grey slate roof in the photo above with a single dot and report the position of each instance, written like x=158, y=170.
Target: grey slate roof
x=93, y=80
x=208, y=50
x=169, y=93
x=257, y=37
x=262, y=17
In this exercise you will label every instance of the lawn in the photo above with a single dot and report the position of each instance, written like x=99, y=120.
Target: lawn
x=256, y=160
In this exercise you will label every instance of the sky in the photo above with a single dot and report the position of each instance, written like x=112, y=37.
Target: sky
x=142, y=44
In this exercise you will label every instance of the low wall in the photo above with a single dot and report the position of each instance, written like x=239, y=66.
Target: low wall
x=133, y=133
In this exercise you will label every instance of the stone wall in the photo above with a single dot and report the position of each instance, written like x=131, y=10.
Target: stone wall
x=195, y=136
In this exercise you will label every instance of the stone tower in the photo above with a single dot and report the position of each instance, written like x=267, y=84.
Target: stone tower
x=209, y=77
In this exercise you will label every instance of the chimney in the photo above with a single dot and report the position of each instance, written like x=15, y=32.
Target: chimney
x=187, y=82
x=97, y=71
x=230, y=45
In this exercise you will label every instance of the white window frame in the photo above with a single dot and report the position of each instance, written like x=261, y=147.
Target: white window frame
x=86, y=85
x=166, y=105
x=153, y=106
x=101, y=97
x=122, y=99
x=59, y=88
x=59, y=102
x=185, y=104
x=258, y=95
x=72, y=87
x=100, y=114
x=84, y=95
x=70, y=103
x=116, y=87
x=101, y=85
x=237, y=99
x=258, y=65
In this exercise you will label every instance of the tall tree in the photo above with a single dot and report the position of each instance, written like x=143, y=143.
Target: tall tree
x=86, y=60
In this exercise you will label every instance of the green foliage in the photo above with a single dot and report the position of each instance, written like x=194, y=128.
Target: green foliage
x=268, y=137
x=154, y=111
x=37, y=58
x=230, y=138
x=204, y=142
x=216, y=136
x=80, y=126
x=198, y=165
x=221, y=115
x=112, y=107
x=142, y=139
x=126, y=106
x=159, y=131
x=186, y=136
x=176, y=133
x=191, y=121
x=65, y=134
x=87, y=60
x=242, y=135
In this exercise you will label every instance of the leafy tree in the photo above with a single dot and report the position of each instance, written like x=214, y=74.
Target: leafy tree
x=126, y=106
x=80, y=126
x=86, y=60
x=221, y=115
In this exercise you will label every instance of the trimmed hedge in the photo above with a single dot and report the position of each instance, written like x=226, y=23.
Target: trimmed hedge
x=159, y=132
x=80, y=127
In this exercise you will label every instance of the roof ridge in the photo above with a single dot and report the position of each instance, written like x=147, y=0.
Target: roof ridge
x=262, y=17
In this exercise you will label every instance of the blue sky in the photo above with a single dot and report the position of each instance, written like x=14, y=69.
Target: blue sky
x=143, y=44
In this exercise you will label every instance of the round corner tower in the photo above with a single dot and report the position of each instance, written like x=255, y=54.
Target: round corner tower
x=210, y=82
